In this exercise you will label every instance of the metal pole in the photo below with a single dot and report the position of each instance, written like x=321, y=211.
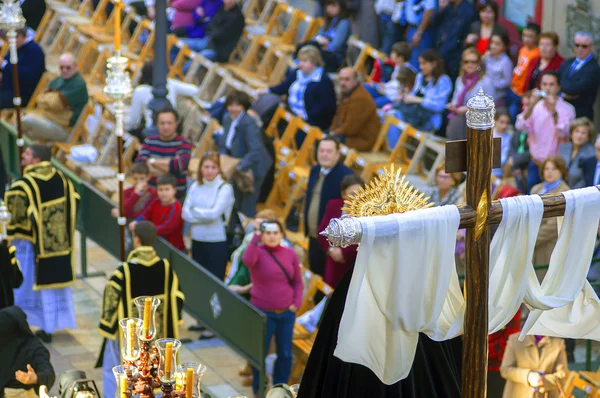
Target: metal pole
x=121, y=175
x=14, y=60
x=159, y=66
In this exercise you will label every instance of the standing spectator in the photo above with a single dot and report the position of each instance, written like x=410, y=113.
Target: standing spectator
x=339, y=260
x=497, y=346
x=137, y=197
x=580, y=147
x=499, y=67
x=390, y=31
x=31, y=67
x=519, y=156
x=58, y=108
x=201, y=16
x=445, y=191
x=356, y=121
x=167, y=152
x=310, y=91
x=553, y=173
x=591, y=166
x=453, y=23
x=207, y=208
x=546, y=122
x=536, y=364
x=527, y=54
x=502, y=121
x=472, y=79
x=483, y=30
x=420, y=33
x=164, y=212
x=580, y=76
x=242, y=139
x=333, y=35
x=323, y=185
x=548, y=61
x=277, y=291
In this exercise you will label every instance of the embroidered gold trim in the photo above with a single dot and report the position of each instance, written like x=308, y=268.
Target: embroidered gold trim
x=144, y=255
x=60, y=285
x=110, y=304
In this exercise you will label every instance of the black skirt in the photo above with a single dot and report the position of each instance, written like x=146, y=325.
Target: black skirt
x=435, y=372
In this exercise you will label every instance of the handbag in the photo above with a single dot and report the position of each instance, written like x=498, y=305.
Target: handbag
x=244, y=180
x=287, y=276
x=228, y=166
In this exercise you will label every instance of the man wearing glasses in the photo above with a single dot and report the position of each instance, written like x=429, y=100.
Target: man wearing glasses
x=59, y=106
x=580, y=76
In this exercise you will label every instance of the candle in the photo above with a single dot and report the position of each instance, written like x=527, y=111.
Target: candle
x=117, y=12
x=168, y=359
x=130, y=337
x=123, y=386
x=189, y=382
x=147, y=314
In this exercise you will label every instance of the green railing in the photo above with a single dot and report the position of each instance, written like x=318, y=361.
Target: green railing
x=240, y=325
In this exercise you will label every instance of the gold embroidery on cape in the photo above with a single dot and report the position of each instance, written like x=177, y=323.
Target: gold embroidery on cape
x=16, y=201
x=110, y=304
x=144, y=255
x=54, y=239
x=42, y=171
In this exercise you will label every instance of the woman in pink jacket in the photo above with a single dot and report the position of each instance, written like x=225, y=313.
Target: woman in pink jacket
x=184, y=12
x=276, y=290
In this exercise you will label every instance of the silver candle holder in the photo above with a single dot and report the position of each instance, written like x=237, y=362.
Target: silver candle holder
x=5, y=218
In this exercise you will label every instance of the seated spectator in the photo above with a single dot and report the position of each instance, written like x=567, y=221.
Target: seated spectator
x=387, y=93
x=242, y=140
x=59, y=106
x=453, y=22
x=276, y=290
x=207, y=208
x=25, y=360
x=339, y=260
x=184, y=13
x=518, y=85
x=472, y=79
x=546, y=122
x=580, y=147
x=164, y=212
x=139, y=121
x=167, y=152
x=499, y=67
x=502, y=121
x=333, y=35
x=31, y=67
x=591, y=166
x=580, y=76
x=519, y=156
x=483, y=30
x=535, y=366
x=553, y=172
x=310, y=91
x=445, y=191
x=137, y=197
x=431, y=89
x=221, y=34
x=201, y=16
x=549, y=60
x=356, y=122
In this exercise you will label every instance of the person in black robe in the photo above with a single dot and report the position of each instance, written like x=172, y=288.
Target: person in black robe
x=11, y=276
x=435, y=373
x=25, y=362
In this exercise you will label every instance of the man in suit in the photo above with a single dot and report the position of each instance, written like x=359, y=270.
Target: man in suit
x=591, y=166
x=580, y=76
x=242, y=139
x=323, y=185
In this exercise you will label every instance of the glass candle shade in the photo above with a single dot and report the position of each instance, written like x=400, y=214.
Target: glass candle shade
x=167, y=349
x=294, y=389
x=121, y=377
x=190, y=371
x=147, y=306
x=130, y=343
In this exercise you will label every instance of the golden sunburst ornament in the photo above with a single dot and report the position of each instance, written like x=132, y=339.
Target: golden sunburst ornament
x=387, y=193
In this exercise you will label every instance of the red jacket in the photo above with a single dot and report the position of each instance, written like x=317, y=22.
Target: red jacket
x=168, y=221
x=497, y=342
x=553, y=66
x=134, y=204
x=334, y=270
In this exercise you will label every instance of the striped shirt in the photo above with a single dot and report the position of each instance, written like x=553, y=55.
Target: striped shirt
x=178, y=150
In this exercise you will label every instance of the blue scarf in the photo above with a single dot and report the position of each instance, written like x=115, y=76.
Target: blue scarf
x=550, y=186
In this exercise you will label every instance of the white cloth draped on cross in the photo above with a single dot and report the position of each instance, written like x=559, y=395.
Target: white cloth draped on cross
x=405, y=281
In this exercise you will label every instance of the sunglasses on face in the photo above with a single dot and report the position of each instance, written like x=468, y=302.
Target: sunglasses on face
x=470, y=61
x=577, y=45
x=65, y=67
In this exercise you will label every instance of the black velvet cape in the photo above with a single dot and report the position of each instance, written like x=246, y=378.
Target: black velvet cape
x=11, y=276
x=435, y=372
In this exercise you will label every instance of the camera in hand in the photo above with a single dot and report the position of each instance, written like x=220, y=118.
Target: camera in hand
x=540, y=93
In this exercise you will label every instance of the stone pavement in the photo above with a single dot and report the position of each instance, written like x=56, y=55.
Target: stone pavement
x=78, y=349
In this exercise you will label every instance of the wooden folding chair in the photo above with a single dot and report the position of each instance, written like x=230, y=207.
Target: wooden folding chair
x=586, y=382
x=184, y=55
x=281, y=118
x=56, y=15
x=204, y=144
x=137, y=50
x=110, y=185
x=288, y=191
x=198, y=69
x=359, y=54
x=288, y=153
x=306, y=29
x=78, y=135
x=212, y=87
x=283, y=24
x=258, y=12
x=432, y=155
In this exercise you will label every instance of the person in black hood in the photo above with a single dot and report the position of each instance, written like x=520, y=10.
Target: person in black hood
x=25, y=360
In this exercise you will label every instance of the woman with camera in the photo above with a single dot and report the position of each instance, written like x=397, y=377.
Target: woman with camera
x=276, y=290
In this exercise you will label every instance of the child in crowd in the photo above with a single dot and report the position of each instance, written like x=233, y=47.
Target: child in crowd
x=518, y=158
x=165, y=212
x=499, y=66
x=387, y=93
x=136, y=198
x=527, y=53
x=502, y=119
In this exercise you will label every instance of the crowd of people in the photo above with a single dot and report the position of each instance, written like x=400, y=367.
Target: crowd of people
x=441, y=53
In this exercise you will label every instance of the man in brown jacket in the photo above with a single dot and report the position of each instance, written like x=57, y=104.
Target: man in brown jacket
x=356, y=117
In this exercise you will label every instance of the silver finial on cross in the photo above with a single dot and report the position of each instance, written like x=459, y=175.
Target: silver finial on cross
x=480, y=115
x=5, y=218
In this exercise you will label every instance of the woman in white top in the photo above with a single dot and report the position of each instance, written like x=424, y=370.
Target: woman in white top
x=139, y=116
x=207, y=208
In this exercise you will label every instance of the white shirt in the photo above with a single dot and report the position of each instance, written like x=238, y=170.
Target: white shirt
x=231, y=132
x=207, y=207
x=143, y=94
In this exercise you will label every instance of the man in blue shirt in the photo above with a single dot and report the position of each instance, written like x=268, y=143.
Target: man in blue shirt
x=420, y=33
x=453, y=23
